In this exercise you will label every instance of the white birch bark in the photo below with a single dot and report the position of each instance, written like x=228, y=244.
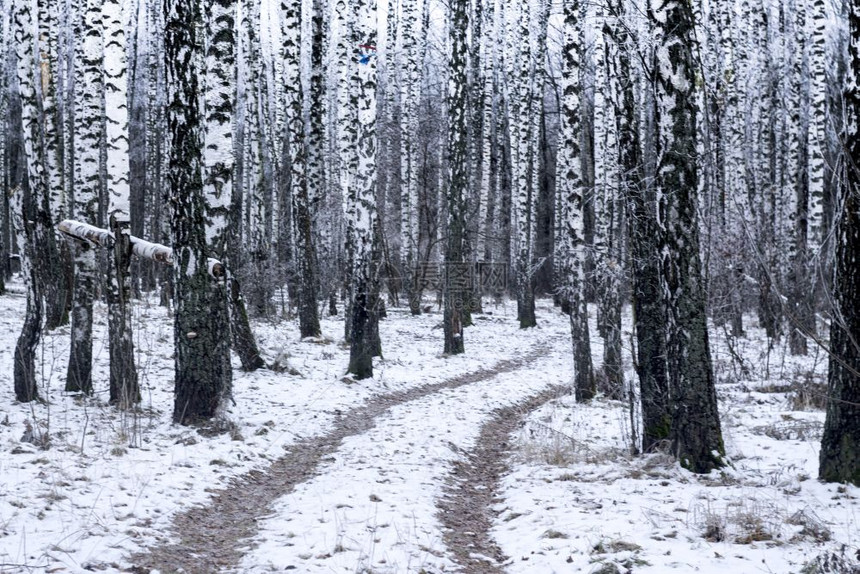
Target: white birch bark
x=362, y=202
x=522, y=148
x=26, y=67
x=34, y=215
x=116, y=109
x=87, y=183
x=455, y=296
x=219, y=97
x=49, y=69
x=256, y=236
x=572, y=252
x=488, y=60
x=5, y=9
x=202, y=369
x=316, y=169
x=817, y=125
x=410, y=97
x=607, y=209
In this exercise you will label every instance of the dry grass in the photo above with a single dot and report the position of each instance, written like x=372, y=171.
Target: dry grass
x=739, y=521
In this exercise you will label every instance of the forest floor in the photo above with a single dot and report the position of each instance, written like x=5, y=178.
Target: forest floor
x=476, y=463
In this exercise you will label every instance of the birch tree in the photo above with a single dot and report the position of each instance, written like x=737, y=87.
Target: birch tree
x=839, y=459
x=306, y=265
x=87, y=180
x=817, y=125
x=124, y=389
x=24, y=369
x=219, y=176
x=54, y=256
x=29, y=212
x=522, y=150
x=346, y=140
x=572, y=241
x=695, y=434
x=487, y=102
x=608, y=230
x=316, y=170
x=732, y=120
x=455, y=293
x=202, y=375
x=410, y=98
x=5, y=10
x=796, y=192
x=362, y=194
x=257, y=209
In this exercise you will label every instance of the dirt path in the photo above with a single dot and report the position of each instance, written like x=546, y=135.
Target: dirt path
x=214, y=537
x=465, y=511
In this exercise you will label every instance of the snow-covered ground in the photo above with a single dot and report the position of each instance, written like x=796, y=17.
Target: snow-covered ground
x=109, y=482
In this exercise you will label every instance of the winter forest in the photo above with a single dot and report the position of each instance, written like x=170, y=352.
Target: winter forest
x=430, y=286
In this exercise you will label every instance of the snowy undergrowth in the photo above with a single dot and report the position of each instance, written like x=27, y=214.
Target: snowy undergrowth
x=577, y=500
x=109, y=482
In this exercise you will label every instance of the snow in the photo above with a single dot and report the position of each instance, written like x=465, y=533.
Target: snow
x=110, y=481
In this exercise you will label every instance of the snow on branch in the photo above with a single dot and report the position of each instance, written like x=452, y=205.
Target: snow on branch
x=140, y=247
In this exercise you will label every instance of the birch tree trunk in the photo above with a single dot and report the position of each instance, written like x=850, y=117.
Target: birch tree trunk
x=124, y=389
x=346, y=142
x=24, y=370
x=799, y=312
x=569, y=188
x=29, y=212
x=87, y=181
x=456, y=292
x=203, y=376
x=817, y=126
x=319, y=158
x=695, y=435
x=306, y=264
x=362, y=195
x=257, y=213
x=219, y=179
x=488, y=121
x=607, y=209
x=155, y=139
x=522, y=149
x=54, y=255
x=769, y=172
x=839, y=460
x=5, y=8
x=410, y=97
x=736, y=191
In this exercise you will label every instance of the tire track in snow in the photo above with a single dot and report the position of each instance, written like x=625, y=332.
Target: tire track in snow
x=373, y=506
x=214, y=537
x=465, y=510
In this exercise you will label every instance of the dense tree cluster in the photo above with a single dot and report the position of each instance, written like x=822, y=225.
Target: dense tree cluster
x=696, y=160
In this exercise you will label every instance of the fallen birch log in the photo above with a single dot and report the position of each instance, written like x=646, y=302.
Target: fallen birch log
x=139, y=247
x=243, y=338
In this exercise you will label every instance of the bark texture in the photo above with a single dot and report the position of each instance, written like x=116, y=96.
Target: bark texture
x=202, y=369
x=571, y=251
x=695, y=435
x=457, y=294
x=839, y=460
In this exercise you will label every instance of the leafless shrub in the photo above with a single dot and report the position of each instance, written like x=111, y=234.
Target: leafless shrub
x=540, y=442
x=221, y=425
x=812, y=527
x=740, y=521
